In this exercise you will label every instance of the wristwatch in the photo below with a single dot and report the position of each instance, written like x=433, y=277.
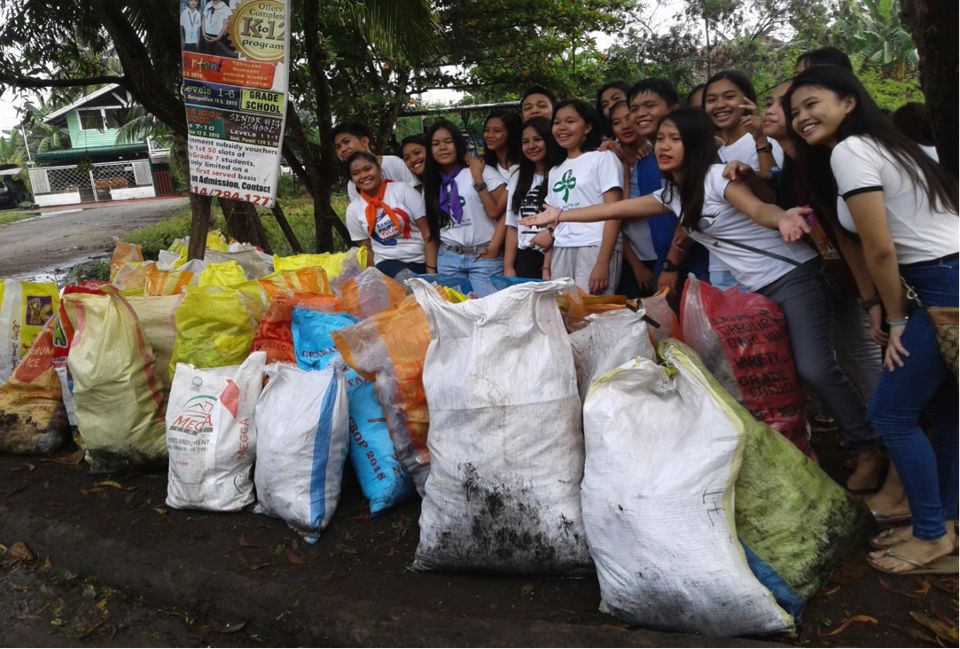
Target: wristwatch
x=479, y=187
x=766, y=147
x=669, y=267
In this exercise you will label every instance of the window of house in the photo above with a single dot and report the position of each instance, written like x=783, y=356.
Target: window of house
x=91, y=120
x=116, y=117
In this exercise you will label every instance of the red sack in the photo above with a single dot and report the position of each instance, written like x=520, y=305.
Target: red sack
x=742, y=339
x=274, y=335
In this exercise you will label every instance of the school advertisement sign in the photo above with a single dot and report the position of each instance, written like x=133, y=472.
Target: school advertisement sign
x=235, y=64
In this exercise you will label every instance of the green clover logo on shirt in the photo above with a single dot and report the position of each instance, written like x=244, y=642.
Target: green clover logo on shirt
x=565, y=184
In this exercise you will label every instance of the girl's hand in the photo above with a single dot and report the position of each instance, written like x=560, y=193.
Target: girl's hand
x=476, y=167
x=644, y=150
x=896, y=352
x=736, y=170
x=612, y=145
x=875, y=317
x=599, y=279
x=793, y=225
x=750, y=119
x=668, y=280
x=549, y=216
x=644, y=276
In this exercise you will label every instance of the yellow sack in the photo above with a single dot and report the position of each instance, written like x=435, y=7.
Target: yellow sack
x=156, y=319
x=131, y=277
x=116, y=393
x=180, y=247
x=333, y=263
x=25, y=307
x=303, y=280
x=167, y=282
x=452, y=295
x=123, y=252
x=215, y=327
x=226, y=273
x=34, y=419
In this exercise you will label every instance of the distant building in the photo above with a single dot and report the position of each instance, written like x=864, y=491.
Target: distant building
x=96, y=168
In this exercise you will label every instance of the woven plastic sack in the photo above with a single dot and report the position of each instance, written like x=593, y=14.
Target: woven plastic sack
x=370, y=292
x=609, y=340
x=168, y=282
x=131, y=277
x=123, y=253
x=333, y=263
x=274, y=335
x=212, y=435
x=224, y=274
x=301, y=447
x=305, y=280
x=254, y=263
x=743, y=340
x=25, y=307
x=503, y=492
x=389, y=348
x=156, y=316
x=576, y=305
x=116, y=391
x=381, y=476
x=33, y=419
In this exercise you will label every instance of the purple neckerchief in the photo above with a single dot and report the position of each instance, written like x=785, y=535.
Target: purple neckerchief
x=449, y=196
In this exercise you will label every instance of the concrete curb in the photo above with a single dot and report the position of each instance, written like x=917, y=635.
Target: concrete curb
x=328, y=618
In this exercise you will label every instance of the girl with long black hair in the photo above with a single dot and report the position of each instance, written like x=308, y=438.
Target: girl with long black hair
x=742, y=231
x=501, y=140
x=903, y=206
x=465, y=198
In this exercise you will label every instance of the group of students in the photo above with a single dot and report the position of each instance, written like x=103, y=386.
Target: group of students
x=819, y=203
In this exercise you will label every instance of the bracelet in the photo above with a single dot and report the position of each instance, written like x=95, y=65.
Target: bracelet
x=479, y=187
x=430, y=267
x=761, y=149
x=897, y=323
x=868, y=304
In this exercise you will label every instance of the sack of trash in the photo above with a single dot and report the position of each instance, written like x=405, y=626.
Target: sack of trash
x=370, y=292
x=389, y=348
x=274, y=334
x=609, y=340
x=715, y=523
x=743, y=340
x=212, y=435
x=658, y=309
x=25, y=307
x=506, y=454
x=156, y=316
x=382, y=479
x=33, y=419
x=117, y=394
x=302, y=435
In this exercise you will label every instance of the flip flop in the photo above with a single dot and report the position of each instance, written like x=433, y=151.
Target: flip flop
x=891, y=519
x=886, y=539
x=948, y=565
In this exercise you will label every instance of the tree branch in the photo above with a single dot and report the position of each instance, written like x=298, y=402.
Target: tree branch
x=37, y=82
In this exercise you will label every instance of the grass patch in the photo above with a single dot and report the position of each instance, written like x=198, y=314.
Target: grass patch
x=14, y=215
x=299, y=213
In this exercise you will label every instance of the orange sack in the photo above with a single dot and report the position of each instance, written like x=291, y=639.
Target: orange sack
x=274, y=335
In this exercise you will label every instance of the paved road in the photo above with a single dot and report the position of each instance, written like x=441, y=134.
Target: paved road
x=51, y=241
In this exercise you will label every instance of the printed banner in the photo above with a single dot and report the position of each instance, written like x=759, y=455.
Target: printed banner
x=235, y=66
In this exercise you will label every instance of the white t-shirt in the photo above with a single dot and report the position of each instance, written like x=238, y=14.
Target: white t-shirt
x=745, y=151
x=190, y=21
x=581, y=182
x=528, y=207
x=720, y=219
x=931, y=151
x=508, y=174
x=391, y=168
x=919, y=232
x=214, y=18
x=476, y=228
x=386, y=240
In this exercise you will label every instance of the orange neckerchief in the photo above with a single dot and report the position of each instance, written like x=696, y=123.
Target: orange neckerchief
x=375, y=202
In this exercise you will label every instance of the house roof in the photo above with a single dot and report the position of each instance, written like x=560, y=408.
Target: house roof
x=59, y=114
x=98, y=153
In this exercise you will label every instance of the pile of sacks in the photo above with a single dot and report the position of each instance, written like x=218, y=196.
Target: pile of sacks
x=548, y=432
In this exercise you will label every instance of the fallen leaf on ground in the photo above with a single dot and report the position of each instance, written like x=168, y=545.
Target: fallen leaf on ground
x=942, y=630
x=923, y=586
x=831, y=591
x=160, y=510
x=29, y=467
x=90, y=629
x=226, y=628
x=916, y=634
x=19, y=552
x=890, y=588
x=527, y=590
x=345, y=549
x=109, y=483
x=947, y=584
x=73, y=458
x=847, y=622
x=244, y=543
x=294, y=559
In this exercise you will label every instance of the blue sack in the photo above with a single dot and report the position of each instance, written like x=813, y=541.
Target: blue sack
x=382, y=479
x=501, y=282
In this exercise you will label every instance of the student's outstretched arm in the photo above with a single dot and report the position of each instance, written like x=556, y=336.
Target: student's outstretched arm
x=791, y=224
x=631, y=208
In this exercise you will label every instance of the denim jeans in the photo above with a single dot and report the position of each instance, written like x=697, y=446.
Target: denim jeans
x=478, y=271
x=923, y=386
x=807, y=305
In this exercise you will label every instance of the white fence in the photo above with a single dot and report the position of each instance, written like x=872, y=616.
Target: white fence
x=103, y=181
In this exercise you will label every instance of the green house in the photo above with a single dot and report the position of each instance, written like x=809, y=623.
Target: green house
x=96, y=167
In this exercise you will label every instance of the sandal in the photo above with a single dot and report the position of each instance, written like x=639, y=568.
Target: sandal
x=887, y=538
x=947, y=565
x=891, y=519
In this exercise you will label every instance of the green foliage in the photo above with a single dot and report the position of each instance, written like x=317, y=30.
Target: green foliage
x=889, y=93
x=154, y=238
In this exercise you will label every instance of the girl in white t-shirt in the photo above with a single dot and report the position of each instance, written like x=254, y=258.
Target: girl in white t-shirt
x=465, y=199
x=742, y=230
x=501, y=151
x=388, y=218
x=413, y=150
x=522, y=256
x=587, y=252
x=903, y=205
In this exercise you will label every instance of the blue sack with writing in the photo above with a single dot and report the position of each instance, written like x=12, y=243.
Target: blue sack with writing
x=382, y=478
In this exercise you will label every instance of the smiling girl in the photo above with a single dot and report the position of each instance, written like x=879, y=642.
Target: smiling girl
x=526, y=191
x=413, y=150
x=903, y=205
x=389, y=219
x=741, y=229
x=465, y=198
x=587, y=252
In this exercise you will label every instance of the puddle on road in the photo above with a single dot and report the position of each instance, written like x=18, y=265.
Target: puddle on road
x=58, y=272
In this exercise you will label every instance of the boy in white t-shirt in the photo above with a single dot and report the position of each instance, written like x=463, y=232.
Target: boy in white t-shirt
x=354, y=137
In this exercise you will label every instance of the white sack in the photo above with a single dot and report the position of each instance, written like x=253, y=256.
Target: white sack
x=212, y=435
x=505, y=441
x=609, y=340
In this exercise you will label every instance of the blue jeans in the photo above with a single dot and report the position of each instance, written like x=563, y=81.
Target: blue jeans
x=478, y=271
x=923, y=386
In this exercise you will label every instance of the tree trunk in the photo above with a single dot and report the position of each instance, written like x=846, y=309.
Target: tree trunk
x=199, y=226
x=243, y=223
x=933, y=24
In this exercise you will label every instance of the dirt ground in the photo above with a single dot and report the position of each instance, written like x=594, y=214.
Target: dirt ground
x=357, y=559
x=65, y=239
